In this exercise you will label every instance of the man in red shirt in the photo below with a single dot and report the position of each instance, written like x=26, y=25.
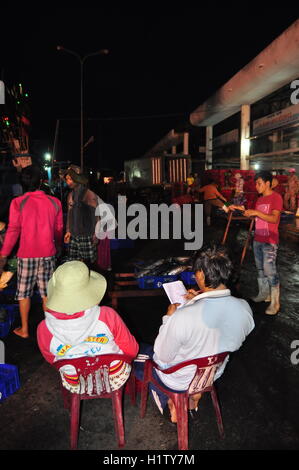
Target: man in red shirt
x=266, y=238
x=35, y=219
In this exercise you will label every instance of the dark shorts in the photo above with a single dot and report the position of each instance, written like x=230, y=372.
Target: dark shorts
x=82, y=249
x=160, y=398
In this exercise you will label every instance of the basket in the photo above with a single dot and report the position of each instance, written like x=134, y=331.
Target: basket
x=155, y=282
x=10, y=290
x=12, y=311
x=188, y=277
x=9, y=380
x=118, y=243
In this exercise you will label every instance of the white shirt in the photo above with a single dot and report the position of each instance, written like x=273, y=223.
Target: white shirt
x=211, y=323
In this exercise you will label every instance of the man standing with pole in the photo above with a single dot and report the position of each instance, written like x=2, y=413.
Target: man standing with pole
x=266, y=238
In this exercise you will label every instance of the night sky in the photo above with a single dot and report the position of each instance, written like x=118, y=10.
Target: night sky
x=160, y=67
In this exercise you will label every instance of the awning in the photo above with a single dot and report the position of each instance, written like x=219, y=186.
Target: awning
x=273, y=68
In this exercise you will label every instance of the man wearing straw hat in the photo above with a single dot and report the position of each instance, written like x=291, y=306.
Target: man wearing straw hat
x=81, y=218
x=75, y=325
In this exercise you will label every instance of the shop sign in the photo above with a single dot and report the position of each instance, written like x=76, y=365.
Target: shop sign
x=282, y=118
x=22, y=161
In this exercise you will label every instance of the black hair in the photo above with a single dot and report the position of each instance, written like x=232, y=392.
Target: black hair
x=31, y=178
x=211, y=181
x=215, y=264
x=265, y=176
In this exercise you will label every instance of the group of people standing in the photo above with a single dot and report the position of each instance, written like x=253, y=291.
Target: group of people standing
x=212, y=320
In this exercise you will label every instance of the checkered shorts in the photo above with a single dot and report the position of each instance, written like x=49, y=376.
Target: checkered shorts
x=33, y=271
x=82, y=248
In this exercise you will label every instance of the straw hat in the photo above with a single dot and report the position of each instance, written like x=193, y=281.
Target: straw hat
x=73, y=288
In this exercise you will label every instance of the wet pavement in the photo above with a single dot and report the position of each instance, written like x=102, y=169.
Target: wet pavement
x=258, y=391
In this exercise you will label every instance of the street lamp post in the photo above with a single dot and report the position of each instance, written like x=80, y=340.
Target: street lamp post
x=82, y=61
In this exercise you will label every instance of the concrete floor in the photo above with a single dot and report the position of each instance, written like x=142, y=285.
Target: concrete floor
x=258, y=392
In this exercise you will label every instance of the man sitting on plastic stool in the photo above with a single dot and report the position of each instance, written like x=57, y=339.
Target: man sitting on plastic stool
x=212, y=321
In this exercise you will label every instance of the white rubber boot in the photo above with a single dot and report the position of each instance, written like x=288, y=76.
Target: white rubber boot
x=264, y=290
x=275, y=305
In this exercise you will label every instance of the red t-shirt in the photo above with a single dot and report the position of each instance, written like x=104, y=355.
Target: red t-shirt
x=266, y=232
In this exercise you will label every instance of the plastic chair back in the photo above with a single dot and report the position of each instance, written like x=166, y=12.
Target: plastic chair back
x=93, y=377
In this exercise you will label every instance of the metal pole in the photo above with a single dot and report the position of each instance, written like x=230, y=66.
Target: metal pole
x=81, y=124
x=82, y=60
x=55, y=143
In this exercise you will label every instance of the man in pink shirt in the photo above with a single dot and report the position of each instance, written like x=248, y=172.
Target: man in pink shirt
x=266, y=238
x=35, y=219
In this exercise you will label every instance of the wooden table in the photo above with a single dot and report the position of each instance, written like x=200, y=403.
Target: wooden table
x=128, y=279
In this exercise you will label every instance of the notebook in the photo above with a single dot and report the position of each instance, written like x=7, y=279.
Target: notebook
x=176, y=292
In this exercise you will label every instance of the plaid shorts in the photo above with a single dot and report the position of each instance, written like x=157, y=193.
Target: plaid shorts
x=33, y=271
x=82, y=249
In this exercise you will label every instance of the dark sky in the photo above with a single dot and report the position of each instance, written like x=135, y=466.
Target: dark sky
x=161, y=66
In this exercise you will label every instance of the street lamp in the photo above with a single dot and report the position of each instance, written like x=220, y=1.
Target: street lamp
x=82, y=61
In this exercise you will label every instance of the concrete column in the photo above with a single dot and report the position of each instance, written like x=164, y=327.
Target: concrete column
x=186, y=143
x=173, y=148
x=245, y=134
x=209, y=147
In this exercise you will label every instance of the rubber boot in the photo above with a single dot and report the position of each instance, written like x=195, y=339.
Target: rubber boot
x=264, y=290
x=275, y=305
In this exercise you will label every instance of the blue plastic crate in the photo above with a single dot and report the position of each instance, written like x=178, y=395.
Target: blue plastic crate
x=155, y=282
x=12, y=311
x=10, y=290
x=9, y=380
x=188, y=277
x=118, y=243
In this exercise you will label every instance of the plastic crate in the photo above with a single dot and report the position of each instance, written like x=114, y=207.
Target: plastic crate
x=9, y=291
x=118, y=243
x=155, y=282
x=188, y=277
x=286, y=217
x=12, y=311
x=9, y=380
